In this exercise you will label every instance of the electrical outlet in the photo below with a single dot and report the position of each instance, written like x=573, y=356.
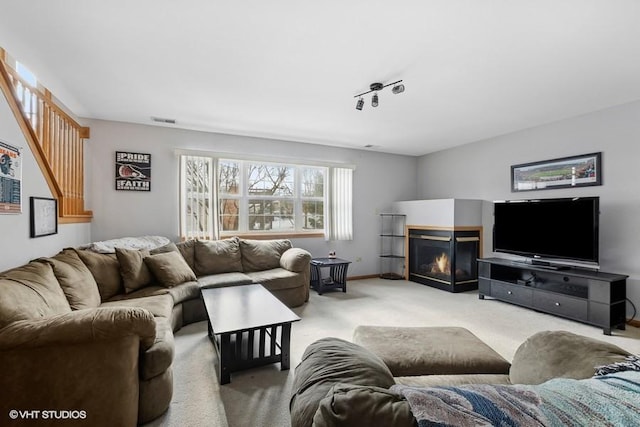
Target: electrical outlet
x=358, y=259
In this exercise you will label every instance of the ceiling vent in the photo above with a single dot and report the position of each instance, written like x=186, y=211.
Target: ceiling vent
x=163, y=120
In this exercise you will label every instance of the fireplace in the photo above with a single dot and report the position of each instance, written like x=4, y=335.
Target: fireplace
x=443, y=258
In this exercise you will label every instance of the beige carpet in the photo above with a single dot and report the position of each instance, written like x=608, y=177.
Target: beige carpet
x=260, y=396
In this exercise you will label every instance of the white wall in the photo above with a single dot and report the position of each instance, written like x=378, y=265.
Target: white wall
x=441, y=212
x=17, y=247
x=482, y=171
x=379, y=180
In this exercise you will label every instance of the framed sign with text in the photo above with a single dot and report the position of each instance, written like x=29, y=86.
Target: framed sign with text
x=133, y=171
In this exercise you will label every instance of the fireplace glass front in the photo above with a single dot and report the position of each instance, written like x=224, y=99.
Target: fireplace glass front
x=445, y=259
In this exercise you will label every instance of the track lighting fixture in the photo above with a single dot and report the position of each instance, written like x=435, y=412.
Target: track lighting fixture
x=375, y=88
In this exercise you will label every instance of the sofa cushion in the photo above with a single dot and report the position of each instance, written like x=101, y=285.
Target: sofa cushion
x=224, y=279
x=184, y=292
x=170, y=268
x=561, y=354
x=187, y=250
x=105, y=269
x=349, y=363
x=158, y=305
x=135, y=273
x=276, y=278
x=75, y=279
x=452, y=380
x=147, y=291
x=169, y=247
x=349, y=405
x=430, y=350
x=30, y=292
x=296, y=259
x=218, y=256
x=157, y=358
x=258, y=255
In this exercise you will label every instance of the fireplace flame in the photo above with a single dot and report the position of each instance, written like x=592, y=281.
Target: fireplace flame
x=441, y=264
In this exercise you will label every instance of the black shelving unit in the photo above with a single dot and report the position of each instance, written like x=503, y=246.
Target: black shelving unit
x=392, y=244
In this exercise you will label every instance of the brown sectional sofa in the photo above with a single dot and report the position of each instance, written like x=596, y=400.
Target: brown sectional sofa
x=93, y=332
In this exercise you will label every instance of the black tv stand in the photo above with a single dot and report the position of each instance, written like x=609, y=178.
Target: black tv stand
x=587, y=296
x=548, y=265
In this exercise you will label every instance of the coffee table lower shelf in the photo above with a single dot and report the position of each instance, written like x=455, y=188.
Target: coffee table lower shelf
x=251, y=348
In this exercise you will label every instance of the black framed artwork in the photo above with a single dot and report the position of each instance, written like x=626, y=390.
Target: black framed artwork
x=43, y=216
x=565, y=172
x=133, y=171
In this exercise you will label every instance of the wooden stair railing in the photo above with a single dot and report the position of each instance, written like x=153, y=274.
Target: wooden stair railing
x=55, y=139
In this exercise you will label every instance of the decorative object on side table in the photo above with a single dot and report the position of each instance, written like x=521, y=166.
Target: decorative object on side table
x=44, y=216
x=337, y=277
x=566, y=172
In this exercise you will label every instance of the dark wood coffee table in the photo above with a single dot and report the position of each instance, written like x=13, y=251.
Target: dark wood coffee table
x=249, y=327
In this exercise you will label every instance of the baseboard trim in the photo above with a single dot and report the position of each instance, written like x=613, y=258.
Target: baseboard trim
x=366, y=276
x=634, y=322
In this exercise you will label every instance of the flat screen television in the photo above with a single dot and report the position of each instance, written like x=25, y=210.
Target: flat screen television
x=553, y=229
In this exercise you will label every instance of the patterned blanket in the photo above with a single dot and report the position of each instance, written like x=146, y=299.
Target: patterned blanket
x=608, y=400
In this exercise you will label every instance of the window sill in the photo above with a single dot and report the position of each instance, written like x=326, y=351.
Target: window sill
x=269, y=236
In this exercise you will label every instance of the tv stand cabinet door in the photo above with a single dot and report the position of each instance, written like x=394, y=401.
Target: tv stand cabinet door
x=561, y=305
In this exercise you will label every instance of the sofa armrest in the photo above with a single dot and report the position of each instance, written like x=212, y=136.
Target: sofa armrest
x=296, y=260
x=79, y=327
x=86, y=361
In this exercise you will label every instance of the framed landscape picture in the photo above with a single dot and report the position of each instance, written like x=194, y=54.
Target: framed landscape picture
x=566, y=172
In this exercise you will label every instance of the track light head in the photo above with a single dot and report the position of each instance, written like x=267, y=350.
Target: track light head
x=398, y=89
x=360, y=104
x=374, y=100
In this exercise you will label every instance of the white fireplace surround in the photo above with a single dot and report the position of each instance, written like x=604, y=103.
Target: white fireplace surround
x=450, y=213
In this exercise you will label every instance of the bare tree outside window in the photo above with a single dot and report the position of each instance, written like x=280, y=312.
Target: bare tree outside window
x=267, y=182
x=198, y=197
x=312, y=193
x=250, y=197
x=229, y=185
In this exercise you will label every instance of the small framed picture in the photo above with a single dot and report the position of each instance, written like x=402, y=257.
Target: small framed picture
x=566, y=172
x=44, y=216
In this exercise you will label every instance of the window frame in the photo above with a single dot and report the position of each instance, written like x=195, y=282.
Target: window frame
x=244, y=198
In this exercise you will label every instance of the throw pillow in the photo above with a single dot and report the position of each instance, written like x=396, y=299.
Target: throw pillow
x=134, y=271
x=218, y=256
x=350, y=364
x=260, y=255
x=170, y=269
x=561, y=354
x=75, y=279
x=349, y=405
x=105, y=269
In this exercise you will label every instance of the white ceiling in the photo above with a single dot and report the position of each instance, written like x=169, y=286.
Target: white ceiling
x=288, y=69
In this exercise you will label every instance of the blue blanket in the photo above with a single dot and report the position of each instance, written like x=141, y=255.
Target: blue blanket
x=609, y=400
